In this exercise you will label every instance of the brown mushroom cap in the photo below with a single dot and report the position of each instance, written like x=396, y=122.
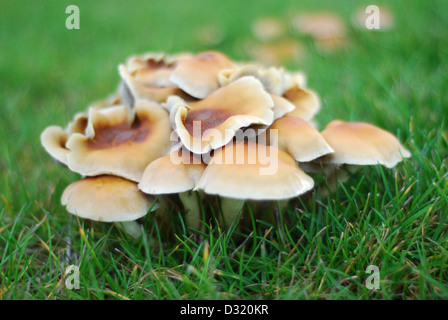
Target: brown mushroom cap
x=298, y=138
x=106, y=198
x=175, y=173
x=361, y=143
x=221, y=114
x=118, y=143
x=198, y=76
x=235, y=171
x=53, y=140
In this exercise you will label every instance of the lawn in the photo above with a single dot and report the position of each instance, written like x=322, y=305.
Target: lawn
x=395, y=219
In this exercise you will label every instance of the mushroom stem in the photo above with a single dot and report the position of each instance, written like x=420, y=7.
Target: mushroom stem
x=231, y=209
x=192, y=209
x=131, y=228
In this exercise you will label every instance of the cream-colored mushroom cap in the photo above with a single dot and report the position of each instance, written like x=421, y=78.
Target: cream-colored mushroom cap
x=118, y=143
x=175, y=173
x=107, y=199
x=246, y=170
x=307, y=102
x=298, y=138
x=221, y=114
x=273, y=79
x=141, y=90
x=198, y=76
x=359, y=143
x=53, y=139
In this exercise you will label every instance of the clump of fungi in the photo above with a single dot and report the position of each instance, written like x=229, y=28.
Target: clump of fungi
x=184, y=131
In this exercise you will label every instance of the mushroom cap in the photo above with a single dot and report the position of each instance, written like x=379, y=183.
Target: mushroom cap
x=298, y=138
x=198, y=75
x=175, y=173
x=273, y=79
x=106, y=198
x=78, y=125
x=361, y=143
x=307, y=102
x=118, y=143
x=242, y=170
x=54, y=139
x=141, y=90
x=221, y=114
x=320, y=25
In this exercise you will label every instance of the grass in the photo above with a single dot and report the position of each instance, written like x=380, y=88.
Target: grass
x=394, y=219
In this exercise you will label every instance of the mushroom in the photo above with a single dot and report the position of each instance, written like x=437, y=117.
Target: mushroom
x=198, y=75
x=176, y=173
x=298, y=138
x=132, y=89
x=53, y=139
x=108, y=199
x=327, y=29
x=273, y=79
x=268, y=28
x=242, y=171
x=359, y=143
x=212, y=122
x=154, y=68
x=119, y=142
x=306, y=101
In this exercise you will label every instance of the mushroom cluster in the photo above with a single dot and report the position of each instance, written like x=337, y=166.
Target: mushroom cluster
x=195, y=127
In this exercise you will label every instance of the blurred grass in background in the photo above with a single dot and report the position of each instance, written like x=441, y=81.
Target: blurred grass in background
x=395, y=79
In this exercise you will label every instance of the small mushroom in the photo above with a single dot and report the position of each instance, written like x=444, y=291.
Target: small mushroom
x=359, y=143
x=268, y=28
x=108, y=199
x=212, y=122
x=119, y=142
x=243, y=171
x=53, y=139
x=298, y=138
x=320, y=25
x=198, y=75
x=176, y=173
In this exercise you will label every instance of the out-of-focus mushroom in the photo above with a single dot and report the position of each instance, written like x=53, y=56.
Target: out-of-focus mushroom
x=298, y=138
x=359, y=143
x=276, y=53
x=108, y=199
x=268, y=28
x=53, y=140
x=176, y=173
x=322, y=26
x=212, y=122
x=119, y=142
x=243, y=171
x=198, y=76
